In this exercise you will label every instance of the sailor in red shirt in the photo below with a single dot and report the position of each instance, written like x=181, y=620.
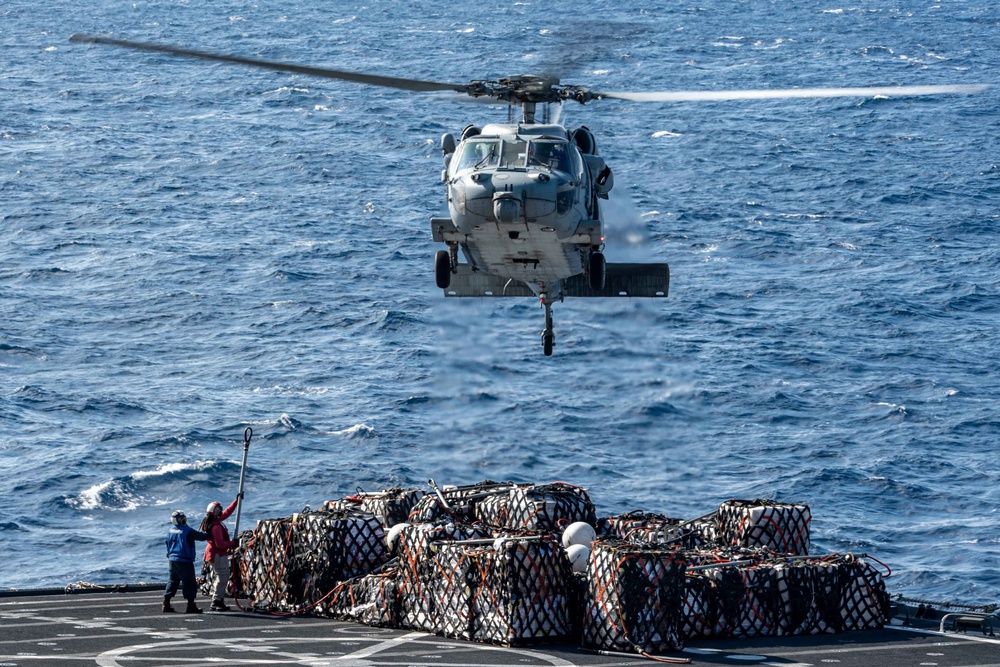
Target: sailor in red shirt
x=217, y=549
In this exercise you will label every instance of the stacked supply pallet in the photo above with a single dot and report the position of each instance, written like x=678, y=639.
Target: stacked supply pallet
x=484, y=562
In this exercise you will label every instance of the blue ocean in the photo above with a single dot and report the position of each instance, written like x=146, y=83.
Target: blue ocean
x=188, y=249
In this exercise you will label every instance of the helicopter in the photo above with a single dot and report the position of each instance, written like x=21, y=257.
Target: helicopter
x=524, y=197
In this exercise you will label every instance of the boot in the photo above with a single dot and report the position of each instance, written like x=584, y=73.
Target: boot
x=192, y=608
x=218, y=605
x=166, y=605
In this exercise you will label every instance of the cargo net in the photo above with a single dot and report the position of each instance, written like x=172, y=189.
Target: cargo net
x=508, y=506
x=634, y=597
x=547, y=508
x=646, y=528
x=780, y=527
x=206, y=580
x=651, y=581
x=391, y=506
x=459, y=502
x=535, y=508
x=290, y=565
x=371, y=599
x=418, y=607
x=764, y=597
x=511, y=592
x=525, y=596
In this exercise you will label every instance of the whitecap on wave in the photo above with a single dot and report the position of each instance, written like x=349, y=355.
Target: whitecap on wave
x=356, y=432
x=124, y=494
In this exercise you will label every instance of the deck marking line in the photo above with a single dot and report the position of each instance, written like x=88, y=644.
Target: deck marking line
x=951, y=635
x=855, y=649
x=110, y=658
x=381, y=646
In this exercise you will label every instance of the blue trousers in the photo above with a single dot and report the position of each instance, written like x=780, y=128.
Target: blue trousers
x=182, y=574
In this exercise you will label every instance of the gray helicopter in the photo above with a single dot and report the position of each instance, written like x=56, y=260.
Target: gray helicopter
x=524, y=198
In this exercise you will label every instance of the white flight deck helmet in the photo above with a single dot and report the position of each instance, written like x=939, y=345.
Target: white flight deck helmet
x=214, y=508
x=178, y=518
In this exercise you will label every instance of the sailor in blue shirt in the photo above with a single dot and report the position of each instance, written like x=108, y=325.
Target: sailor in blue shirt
x=180, y=556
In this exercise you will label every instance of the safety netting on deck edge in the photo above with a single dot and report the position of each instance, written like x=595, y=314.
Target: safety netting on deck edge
x=651, y=581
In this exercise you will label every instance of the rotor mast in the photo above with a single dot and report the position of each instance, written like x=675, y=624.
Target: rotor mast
x=528, y=112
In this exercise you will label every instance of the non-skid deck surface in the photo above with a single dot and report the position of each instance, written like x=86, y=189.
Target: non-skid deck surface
x=128, y=629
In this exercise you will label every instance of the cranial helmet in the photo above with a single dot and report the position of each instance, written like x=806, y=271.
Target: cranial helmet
x=178, y=518
x=214, y=508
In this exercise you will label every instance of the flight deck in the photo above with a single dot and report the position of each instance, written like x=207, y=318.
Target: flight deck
x=128, y=628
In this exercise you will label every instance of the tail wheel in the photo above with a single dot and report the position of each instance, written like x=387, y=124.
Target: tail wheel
x=597, y=271
x=442, y=269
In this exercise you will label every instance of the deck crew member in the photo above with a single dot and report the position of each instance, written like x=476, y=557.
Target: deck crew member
x=180, y=555
x=217, y=549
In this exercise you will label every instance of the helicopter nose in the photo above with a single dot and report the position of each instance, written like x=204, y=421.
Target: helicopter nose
x=506, y=207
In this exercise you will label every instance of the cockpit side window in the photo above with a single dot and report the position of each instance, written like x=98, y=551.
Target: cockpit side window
x=551, y=154
x=477, y=154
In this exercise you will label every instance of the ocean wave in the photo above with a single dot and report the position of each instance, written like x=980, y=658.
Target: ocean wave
x=393, y=320
x=124, y=494
x=52, y=272
x=292, y=275
x=356, y=432
x=182, y=289
x=17, y=350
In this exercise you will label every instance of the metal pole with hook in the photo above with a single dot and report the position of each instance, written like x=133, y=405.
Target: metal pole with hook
x=247, y=434
x=437, y=491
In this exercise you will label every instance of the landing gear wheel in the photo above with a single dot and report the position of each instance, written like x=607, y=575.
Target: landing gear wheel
x=596, y=271
x=442, y=269
x=548, y=334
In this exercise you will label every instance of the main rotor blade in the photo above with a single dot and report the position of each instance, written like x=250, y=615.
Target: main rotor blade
x=725, y=95
x=357, y=77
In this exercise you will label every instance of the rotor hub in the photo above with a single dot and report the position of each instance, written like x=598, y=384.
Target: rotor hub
x=529, y=88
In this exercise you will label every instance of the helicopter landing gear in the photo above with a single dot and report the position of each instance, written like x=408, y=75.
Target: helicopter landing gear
x=442, y=269
x=548, y=339
x=596, y=271
x=548, y=335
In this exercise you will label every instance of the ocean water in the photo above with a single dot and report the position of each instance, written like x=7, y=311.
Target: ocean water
x=188, y=249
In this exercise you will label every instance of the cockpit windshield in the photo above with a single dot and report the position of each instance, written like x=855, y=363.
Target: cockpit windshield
x=514, y=153
x=551, y=154
x=479, y=153
x=485, y=153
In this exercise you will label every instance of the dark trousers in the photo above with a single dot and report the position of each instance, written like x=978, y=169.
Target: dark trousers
x=182, y=574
